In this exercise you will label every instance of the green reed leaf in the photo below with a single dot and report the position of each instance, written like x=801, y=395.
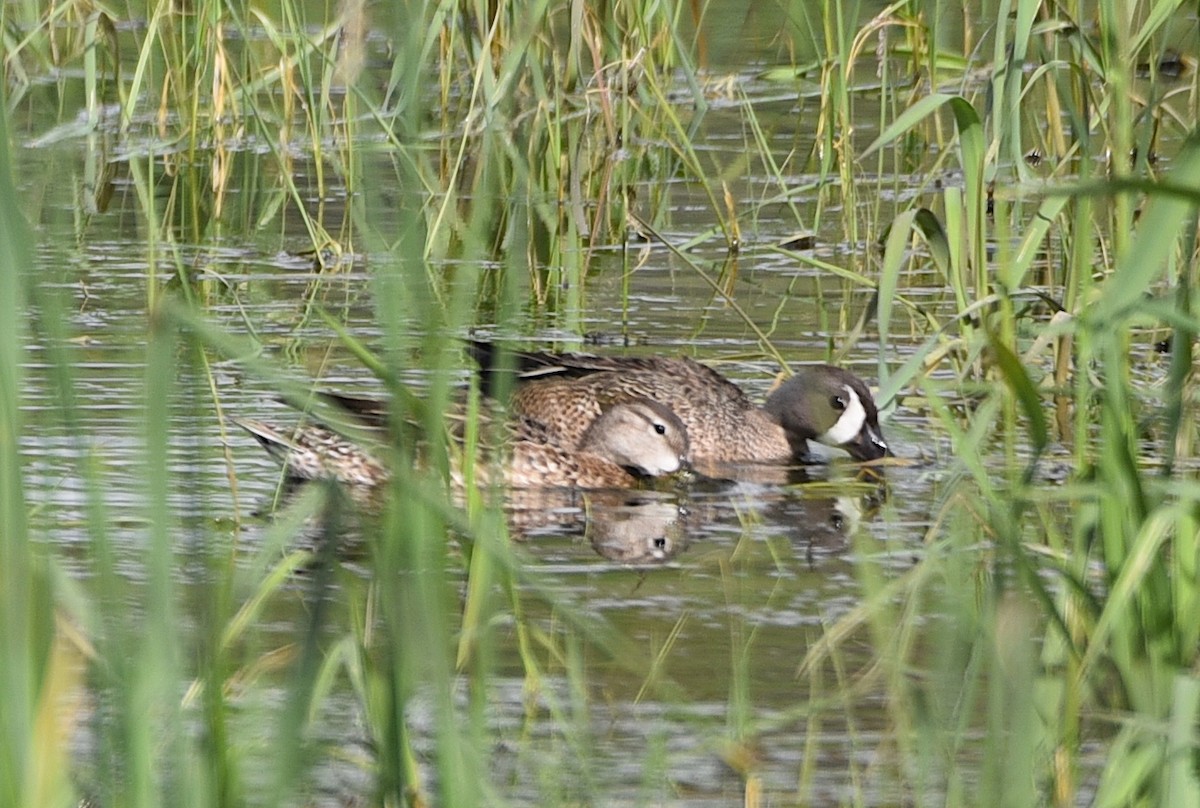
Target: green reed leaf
x=1023, y=388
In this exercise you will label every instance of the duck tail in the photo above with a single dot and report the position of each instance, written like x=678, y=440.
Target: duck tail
x=500, y=366
x=278, y=445
x=314, y=453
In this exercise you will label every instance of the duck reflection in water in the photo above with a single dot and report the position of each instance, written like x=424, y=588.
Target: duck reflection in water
x=821, y=508
x=639, y=531
x=644, y=527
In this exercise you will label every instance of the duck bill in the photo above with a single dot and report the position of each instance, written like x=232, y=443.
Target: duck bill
x=868, y=445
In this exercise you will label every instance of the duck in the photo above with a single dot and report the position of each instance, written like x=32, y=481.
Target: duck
x=623, y=445
x=822, y=403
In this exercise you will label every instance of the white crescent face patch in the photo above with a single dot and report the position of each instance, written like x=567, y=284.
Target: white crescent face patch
x=849, y=424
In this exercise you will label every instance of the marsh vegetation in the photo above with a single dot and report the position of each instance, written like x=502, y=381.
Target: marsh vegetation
x=989, y=212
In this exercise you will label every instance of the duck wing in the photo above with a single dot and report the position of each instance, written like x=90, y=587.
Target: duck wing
x=653, y=377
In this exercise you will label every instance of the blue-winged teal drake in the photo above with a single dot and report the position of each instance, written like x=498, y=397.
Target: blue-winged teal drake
x=626, y=442
x=822, y=403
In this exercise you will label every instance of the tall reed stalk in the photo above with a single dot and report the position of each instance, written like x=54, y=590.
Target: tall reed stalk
x=27, y=633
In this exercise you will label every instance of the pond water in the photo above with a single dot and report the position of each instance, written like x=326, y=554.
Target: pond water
x=731, y=583
x=752, y=568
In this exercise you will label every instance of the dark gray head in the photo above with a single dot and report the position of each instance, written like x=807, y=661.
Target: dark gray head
x=829, y=405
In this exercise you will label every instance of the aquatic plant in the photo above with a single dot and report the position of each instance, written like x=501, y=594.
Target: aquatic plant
x=488, y=153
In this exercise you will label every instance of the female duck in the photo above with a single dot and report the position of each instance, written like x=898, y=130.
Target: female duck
x=625, y=443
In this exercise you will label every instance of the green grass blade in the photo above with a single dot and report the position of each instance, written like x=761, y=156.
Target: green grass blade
x=20, y=645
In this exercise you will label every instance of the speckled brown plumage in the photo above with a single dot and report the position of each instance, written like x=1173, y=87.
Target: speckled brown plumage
x=566, y=390
x=312, y=452
x=635, y=439
x=723, y=424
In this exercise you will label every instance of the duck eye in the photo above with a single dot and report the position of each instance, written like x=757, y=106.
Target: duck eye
x=660, y=429
x=837, y=402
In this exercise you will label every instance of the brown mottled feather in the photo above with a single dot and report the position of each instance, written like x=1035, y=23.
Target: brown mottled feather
x=312, y=452
x=565, y=391
x=723, y=424
x=626, y=442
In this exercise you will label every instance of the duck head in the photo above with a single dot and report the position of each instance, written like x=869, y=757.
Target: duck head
x=643, y=436
x=831, y=406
